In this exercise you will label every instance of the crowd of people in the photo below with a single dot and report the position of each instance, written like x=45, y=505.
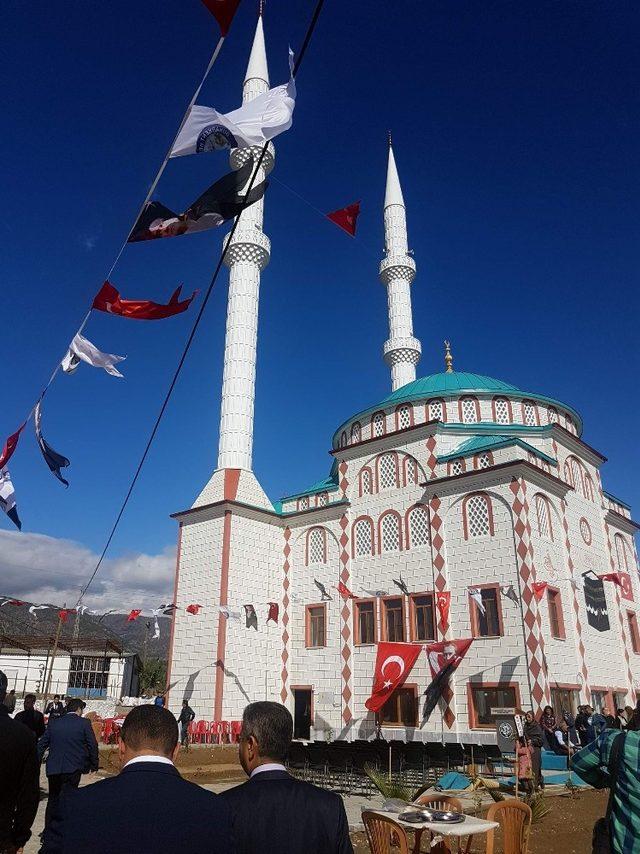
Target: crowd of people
x=149, y=807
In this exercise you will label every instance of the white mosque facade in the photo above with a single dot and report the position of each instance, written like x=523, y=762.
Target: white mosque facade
x=454, y=483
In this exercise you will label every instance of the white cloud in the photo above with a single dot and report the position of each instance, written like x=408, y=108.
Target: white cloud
x=39, y=568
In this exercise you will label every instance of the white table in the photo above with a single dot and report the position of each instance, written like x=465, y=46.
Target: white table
x=469, y=827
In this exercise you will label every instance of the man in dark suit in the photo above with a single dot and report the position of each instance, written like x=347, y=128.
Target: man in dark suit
x=19, y=774
x=55, y=709
x=148, y=807
x=272, y=810
x=31, y=717
x=73, y=751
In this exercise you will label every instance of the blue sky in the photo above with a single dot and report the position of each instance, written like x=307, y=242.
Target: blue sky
x=515, y=130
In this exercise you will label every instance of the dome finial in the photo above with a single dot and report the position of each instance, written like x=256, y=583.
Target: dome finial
x=448, y=358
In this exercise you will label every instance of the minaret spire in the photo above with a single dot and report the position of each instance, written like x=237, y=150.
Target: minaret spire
x=247, y=256
x=397, y=272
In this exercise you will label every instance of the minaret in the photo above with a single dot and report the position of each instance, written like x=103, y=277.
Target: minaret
x=397, y=271
x=247, y=256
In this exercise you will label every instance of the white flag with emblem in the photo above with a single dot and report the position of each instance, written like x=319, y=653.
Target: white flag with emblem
x=81, y=349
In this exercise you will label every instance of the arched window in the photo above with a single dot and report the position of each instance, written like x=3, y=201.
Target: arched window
x=571, y=427
x=404, y=416
x=436, y=411
x=303, y=503
x=363, y=538
x=552, y=415
x=477, y=517
x=390, y=533
x=410, y=471
x=483, y=461
x=469, y=410
x=417, y=527
x=576, y=474
x=455, y=466
x=501, y=410
x=529, y=415
x=316, y=546
x=366, y=482
x=387, y=471
x=621, y=553
x=355, y=433
x=588, y=486
x=568, y=474
x=343, y=440
x=378, y=425
x=323, y=499
x=543, y=515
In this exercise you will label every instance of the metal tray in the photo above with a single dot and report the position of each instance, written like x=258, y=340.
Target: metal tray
x=416, y=816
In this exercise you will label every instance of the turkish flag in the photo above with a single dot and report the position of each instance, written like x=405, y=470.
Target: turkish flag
x=444, y=658
x=193, y=609
x=9, y=446
x=627, y=589
x=343, y=590
x=612, y=576
x=16, y=602
x=274, y=611
x=108, y=299
x=64, y=613
x=443, y=603
x=394, y=662
x=223, y=11
x=538, y=589
x=133, y=615
x=346, y=218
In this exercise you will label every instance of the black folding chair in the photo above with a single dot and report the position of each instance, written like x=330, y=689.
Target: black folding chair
x=298, y=760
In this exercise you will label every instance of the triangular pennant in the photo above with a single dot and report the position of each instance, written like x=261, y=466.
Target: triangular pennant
x=109, y=300
x=52, y=458
x=346, y=218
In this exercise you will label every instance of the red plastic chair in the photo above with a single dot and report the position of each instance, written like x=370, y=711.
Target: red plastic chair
x=226, y=732
x=191, y=733
x=202, y=731
x=236, y=729
x=216, y=732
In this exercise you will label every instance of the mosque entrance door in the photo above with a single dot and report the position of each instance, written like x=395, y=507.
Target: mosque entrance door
x=302, y=699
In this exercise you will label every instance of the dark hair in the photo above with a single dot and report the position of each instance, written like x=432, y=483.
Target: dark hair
x=76, y=705
x=271, y=725
x=56, y=695
x=30, y=697
x=150, y=726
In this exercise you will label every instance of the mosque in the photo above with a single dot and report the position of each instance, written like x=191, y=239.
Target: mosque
x=454, y=483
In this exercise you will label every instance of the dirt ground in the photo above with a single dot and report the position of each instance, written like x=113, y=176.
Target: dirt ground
x=565, y=830
x=198, y=764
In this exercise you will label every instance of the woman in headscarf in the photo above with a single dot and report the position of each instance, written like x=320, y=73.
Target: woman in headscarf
x=549, y=726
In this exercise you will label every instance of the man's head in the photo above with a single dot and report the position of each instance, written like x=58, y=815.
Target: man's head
x=267, y=730
x=3, y=686
x=185, y=703
x=29, y=701
x=56, y=698
x=149, y=731
x=588, y=710
x=76, y=706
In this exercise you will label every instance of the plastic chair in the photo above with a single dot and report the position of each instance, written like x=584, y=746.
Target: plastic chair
x=382, y=831
x=191, y=733
x=216, y=732
x=236, y=729
x=514, y=818
x=202, y=732
x=226, y=732
x=437, y=802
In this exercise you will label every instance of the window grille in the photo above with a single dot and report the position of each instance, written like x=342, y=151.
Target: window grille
x=552, y=414
x=585, y=531
x=469, y=411
x=378, y=424
x=355, y=433
x=404, y=417
x=412, y=470
x=542, y=514
x=323, y=499
x=89, y=674
x=316, y=546
x=304, y=503
x=477, y=509
x=390, y=530
x=436, y=410
x=343, y=440
x=457, y=466
x=418, y=527
x=501, y=407
x=365, y=480
x=576, y=475
x=621, y=552
x=363, y=537
x=588, y=487
x=387, y=469
x=484, y=461
x=529, y=414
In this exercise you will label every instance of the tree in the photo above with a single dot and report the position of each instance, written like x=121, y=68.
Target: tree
x=153, y=676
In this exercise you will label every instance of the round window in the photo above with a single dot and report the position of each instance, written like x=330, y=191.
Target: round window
x=585, y=530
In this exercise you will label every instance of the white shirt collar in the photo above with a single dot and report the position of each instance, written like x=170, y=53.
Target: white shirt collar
x=268, y=766
x=150, y=758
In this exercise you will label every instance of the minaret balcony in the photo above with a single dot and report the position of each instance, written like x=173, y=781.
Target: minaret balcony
x=402, y=350
x=249, y=244
x=239, y=157
x=397, y=267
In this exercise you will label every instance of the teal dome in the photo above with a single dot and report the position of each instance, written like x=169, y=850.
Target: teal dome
x=446, y=383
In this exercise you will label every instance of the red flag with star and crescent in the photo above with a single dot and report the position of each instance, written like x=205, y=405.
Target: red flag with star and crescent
x=10, y=445
x=538, y=589
x=346, y=218
x=443, y=603
x=612, y=576
x=394, y=663
x=108, y=299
